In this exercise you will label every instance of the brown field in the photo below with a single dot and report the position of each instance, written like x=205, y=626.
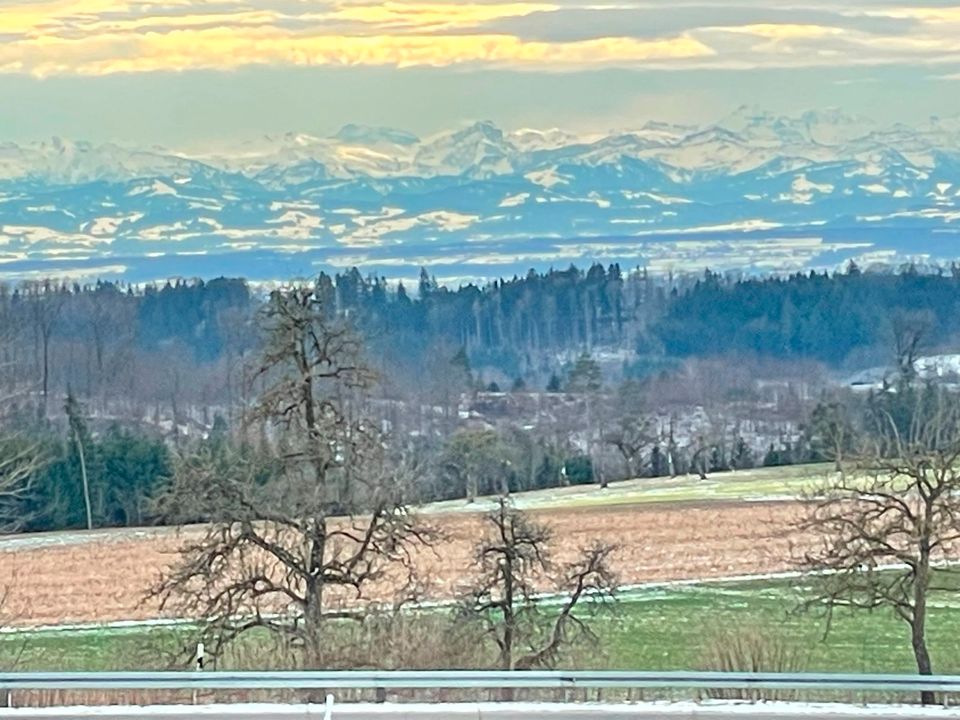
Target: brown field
x=103, y=576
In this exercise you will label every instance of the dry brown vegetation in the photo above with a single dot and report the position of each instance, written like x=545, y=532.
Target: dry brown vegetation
x=104, y=577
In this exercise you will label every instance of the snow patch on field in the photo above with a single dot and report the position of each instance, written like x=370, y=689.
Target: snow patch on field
x=110, y=225
x=34, y=234
x=277, y=206
x=802, y=191
x=514, y=200
x=448, y=221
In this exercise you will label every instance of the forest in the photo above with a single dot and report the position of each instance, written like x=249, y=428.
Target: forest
x=557, y=377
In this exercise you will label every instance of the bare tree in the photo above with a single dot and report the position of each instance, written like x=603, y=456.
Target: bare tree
x=633, y=437
x=109, y=327
x=12, y=654
x=831, y=432
x=20, y=460
x=274, y=556
x=885, y=531
x=633, y=432
x=514, y=565
x=45, y=305
x=910, y=331
x=478, y=461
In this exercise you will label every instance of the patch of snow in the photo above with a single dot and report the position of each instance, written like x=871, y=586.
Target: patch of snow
x=298, y=218
x=514, y=200
x=161, y=188
x=449, y=221
x=277, y=206
x=547, y=178
x=110, y=225
x=802, y=185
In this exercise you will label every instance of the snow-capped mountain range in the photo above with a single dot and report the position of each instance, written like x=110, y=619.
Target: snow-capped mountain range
x=751, y=190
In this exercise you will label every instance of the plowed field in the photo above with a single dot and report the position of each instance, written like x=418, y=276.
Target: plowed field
x=103, y=576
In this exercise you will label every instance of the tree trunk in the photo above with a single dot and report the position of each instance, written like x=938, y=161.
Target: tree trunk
x=918, y=637
x=46, y=373
x=86, y=484
x=313, y=594
x=509, y=620
x=924, y=666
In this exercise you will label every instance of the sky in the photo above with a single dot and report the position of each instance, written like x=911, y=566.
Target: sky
x=187, y=73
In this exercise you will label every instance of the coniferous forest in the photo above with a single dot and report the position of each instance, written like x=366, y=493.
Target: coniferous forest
x=601, y=373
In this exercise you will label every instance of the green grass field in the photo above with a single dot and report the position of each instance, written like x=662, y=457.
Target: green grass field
x=656, y=629
x=785, y=483
x=670, y=629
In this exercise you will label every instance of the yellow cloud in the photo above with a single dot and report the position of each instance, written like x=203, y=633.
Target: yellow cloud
x=93, y=26
x=33, y=17
x=926, y=14
x=784, y=31
x=435, y=16
x=96, y=37
x=227, y=48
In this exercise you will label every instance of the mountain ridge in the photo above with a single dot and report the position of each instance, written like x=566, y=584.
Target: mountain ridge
x=746, y=187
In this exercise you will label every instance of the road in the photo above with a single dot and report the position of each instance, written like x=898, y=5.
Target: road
x=498, y=711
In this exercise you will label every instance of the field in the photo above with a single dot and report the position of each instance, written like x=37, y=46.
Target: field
x=758, y=484
x=703, y=533
x=103, y=577
x=657, y=629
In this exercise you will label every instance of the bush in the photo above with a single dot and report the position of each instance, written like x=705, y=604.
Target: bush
x=752, y=649
x=579, y=470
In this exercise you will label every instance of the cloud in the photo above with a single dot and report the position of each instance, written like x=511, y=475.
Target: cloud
x=101, y=37
x=583, y=23
x=223, y=48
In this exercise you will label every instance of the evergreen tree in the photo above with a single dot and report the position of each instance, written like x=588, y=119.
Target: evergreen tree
x=585, y=377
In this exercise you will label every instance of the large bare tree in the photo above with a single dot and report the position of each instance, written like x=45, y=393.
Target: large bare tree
x=886, y=531
x=513, y=566
x=314, y=522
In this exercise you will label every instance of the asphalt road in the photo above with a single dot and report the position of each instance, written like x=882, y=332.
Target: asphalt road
x=497, y=711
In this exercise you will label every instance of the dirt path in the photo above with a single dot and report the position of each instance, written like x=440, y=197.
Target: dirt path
x=102, y=577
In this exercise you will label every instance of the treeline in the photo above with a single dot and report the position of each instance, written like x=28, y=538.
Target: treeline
x=182, y=343
x=815, y=315
x=515, y=324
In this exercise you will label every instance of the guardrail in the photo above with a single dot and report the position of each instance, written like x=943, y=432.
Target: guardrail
x=469, y=679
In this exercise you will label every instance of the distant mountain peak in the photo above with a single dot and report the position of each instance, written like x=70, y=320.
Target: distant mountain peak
x=482, y=128
x=373, y=135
